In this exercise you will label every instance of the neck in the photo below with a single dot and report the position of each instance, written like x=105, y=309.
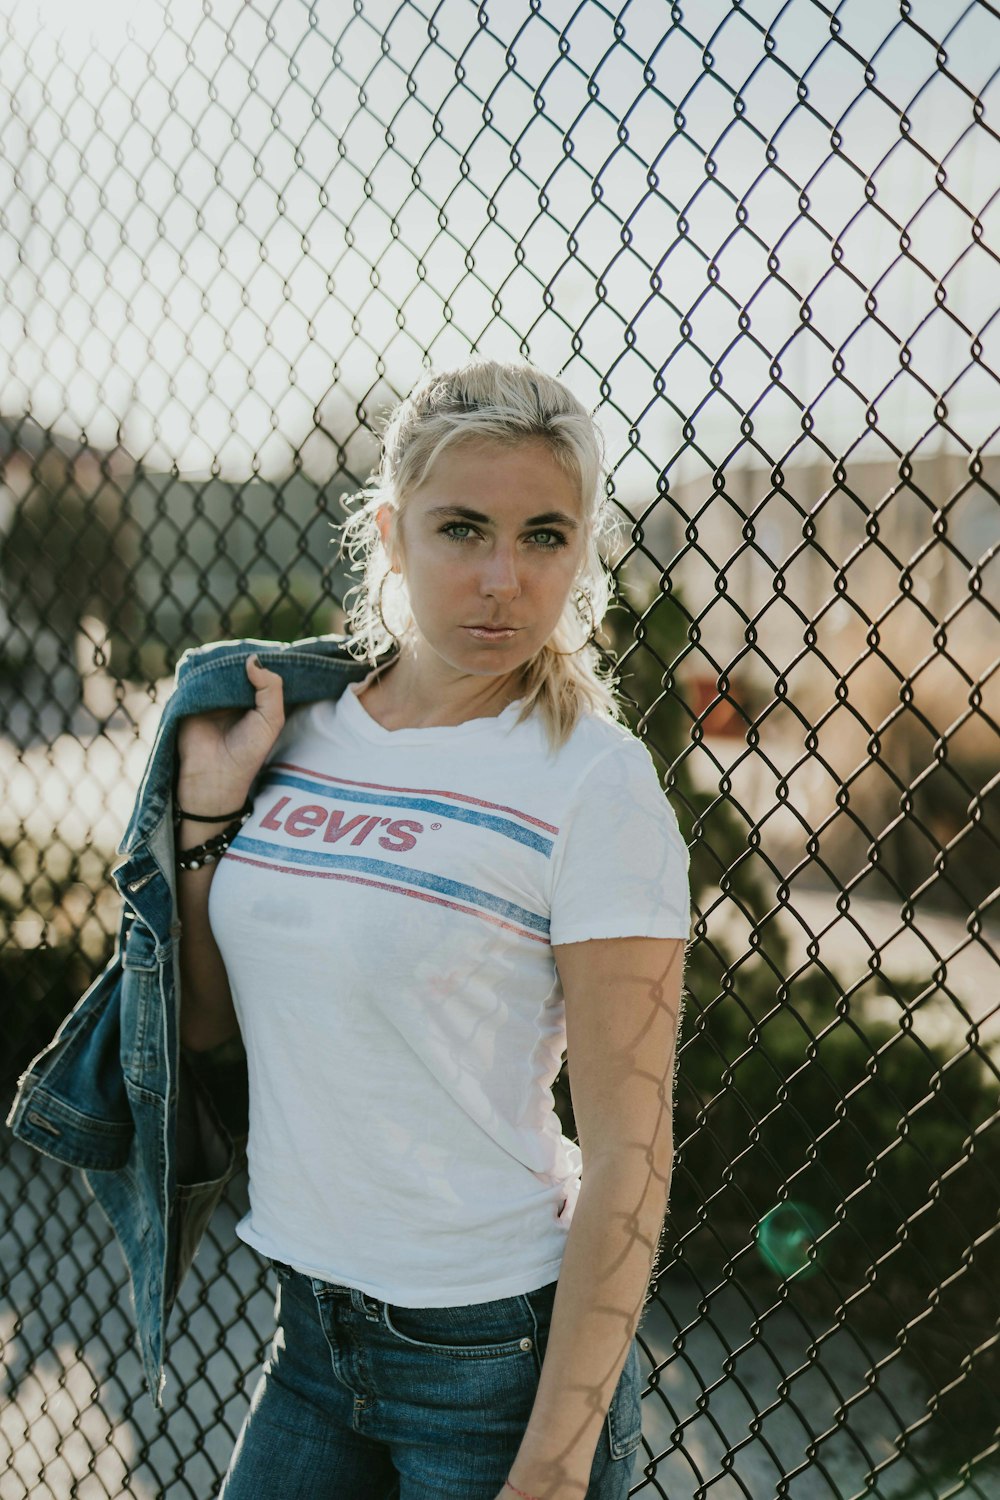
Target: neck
x=411, y=693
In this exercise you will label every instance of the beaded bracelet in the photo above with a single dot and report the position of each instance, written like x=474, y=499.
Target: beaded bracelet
x=208, y=852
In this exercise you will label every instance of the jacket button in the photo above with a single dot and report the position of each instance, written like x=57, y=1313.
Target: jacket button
x=526, y=1344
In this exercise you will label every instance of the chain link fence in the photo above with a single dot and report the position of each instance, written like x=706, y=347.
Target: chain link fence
x=760, y=240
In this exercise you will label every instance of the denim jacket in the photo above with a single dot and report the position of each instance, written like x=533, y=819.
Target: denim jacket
x=157, y=1130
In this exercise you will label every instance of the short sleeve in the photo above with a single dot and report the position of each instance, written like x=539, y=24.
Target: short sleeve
x=620, y=863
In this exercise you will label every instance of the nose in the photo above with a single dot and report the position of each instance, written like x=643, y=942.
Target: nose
x=499, y=579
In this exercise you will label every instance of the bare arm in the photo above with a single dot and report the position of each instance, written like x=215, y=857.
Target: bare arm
x=220, y=755
x=622, y=1015
x=207, y=1016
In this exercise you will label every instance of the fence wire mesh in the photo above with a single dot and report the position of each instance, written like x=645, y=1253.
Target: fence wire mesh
x=760, y=240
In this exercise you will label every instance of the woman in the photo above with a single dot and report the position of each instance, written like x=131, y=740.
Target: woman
x=449, y=874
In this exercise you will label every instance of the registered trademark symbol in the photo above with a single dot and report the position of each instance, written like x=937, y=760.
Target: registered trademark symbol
x=435, y=825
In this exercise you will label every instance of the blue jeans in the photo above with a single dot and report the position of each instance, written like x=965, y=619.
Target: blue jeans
x=364, y=1400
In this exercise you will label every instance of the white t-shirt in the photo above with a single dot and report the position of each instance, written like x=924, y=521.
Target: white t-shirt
x=386, y=918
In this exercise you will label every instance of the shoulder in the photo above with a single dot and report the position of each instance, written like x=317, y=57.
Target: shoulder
x=602, y=748
x=600, y=731
x=620, y=863
x=616, y=784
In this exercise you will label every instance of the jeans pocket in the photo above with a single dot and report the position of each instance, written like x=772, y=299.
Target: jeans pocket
x=625, y=1412
x=482, y=1330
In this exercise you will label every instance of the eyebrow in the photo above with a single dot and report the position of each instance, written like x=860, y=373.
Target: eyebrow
x=548, y=518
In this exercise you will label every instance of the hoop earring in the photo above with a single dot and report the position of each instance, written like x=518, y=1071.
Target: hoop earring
x=378, y=610
x=590, y=636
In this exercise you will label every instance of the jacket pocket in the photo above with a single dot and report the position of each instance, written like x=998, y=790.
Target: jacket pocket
x=139, y=951
x=71, y=1102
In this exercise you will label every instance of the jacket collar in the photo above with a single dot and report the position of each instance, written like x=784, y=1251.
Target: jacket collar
x=213, y=677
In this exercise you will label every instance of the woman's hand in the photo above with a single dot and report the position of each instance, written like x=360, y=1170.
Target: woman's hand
x=221, y=752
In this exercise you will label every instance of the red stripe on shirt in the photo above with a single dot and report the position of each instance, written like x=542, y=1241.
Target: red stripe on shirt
x=413, y=791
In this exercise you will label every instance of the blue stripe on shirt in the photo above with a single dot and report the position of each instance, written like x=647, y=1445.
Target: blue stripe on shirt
x=320, y=860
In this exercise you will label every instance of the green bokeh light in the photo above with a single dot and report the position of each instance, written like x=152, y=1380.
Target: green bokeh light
x=786, y=1236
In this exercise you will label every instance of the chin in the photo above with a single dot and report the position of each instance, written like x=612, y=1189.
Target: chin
x=490, y=658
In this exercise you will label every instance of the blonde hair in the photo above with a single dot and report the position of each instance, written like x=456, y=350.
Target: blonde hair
x=509, y=403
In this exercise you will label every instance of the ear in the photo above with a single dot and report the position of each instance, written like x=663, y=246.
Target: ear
x=385, y=519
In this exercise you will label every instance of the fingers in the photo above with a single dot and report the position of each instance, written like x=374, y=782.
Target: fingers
x=269, y=691
x=259, y=675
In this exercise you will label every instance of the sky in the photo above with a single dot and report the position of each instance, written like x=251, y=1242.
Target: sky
x=230, y=233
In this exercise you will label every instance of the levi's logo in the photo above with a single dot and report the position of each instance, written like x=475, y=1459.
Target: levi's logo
x=306, y=820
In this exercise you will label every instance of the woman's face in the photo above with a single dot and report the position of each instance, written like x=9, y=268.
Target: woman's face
x=489, y=547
